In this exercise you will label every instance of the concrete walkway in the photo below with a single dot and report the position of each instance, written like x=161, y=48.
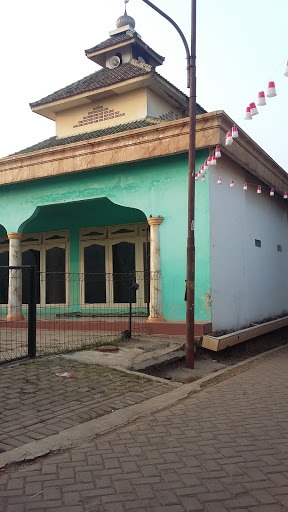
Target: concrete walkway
x=224, y=448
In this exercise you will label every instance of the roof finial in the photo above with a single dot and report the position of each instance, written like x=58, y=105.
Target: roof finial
x=125, y=20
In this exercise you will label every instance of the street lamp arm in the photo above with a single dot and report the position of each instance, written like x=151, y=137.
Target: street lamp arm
x=162, y=13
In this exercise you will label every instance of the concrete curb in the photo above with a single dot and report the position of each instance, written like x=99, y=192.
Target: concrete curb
x=150, y=377
x=87, y=431
x=170, y=357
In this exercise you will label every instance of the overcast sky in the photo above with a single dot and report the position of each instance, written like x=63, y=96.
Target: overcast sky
x=240, y=47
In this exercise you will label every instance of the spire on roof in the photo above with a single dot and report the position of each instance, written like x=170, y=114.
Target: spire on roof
x=125, y=20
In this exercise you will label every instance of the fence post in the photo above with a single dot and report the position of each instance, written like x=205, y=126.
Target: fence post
x=130, y=307
x=32, y=312
x=133, y=287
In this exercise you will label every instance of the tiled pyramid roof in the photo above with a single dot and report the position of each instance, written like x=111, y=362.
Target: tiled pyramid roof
x=106, y=77
x=121, y=38
x=112, y=40
x=102, y=78
x=110, y=130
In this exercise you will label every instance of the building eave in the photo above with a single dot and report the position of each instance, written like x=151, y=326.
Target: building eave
x=157, y=83
x=49, y=110
x=247, y=153
x=142, y=144
x=96, y=54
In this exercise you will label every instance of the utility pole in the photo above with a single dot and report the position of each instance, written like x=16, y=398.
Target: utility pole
x=190, y=271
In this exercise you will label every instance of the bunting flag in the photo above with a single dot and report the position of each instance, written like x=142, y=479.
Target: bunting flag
x=259, y=188
x=250, y=112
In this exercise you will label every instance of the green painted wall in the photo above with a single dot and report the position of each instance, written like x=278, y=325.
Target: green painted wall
x=135, y=191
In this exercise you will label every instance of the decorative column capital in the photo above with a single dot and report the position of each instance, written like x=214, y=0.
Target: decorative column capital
x=15, y=236
x=155, y=221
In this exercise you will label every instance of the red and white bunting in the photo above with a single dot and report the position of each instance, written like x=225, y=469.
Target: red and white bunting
x=251, y=111
x=261, y=99
x=271, y=92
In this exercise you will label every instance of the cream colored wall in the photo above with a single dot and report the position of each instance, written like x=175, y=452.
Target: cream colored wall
x=158, y=106
x=132, y=104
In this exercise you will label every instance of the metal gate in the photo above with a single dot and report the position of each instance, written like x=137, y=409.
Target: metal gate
x=17, y=335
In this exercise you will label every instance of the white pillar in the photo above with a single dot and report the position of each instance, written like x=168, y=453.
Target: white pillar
x=15, y=278
x=156, y=311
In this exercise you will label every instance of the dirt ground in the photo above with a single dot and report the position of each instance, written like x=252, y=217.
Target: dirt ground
x=207, y=361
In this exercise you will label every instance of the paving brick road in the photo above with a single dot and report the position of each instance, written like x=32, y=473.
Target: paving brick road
x=222, y=449
x=34, y=403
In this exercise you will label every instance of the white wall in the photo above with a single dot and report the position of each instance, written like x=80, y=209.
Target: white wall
x=248, y=283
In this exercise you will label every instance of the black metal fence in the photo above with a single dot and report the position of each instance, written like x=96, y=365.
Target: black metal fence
x=74, y=310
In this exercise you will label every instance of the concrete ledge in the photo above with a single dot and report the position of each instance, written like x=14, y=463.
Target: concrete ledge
x=165, y=358
x=178, y=328
x=228, y=340
x=169, y=328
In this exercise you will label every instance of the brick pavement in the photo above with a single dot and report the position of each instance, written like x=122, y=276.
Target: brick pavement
x=223, y=449
x=34, y=403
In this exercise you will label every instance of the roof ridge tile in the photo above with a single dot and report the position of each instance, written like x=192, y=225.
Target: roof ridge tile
x=142, y=65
